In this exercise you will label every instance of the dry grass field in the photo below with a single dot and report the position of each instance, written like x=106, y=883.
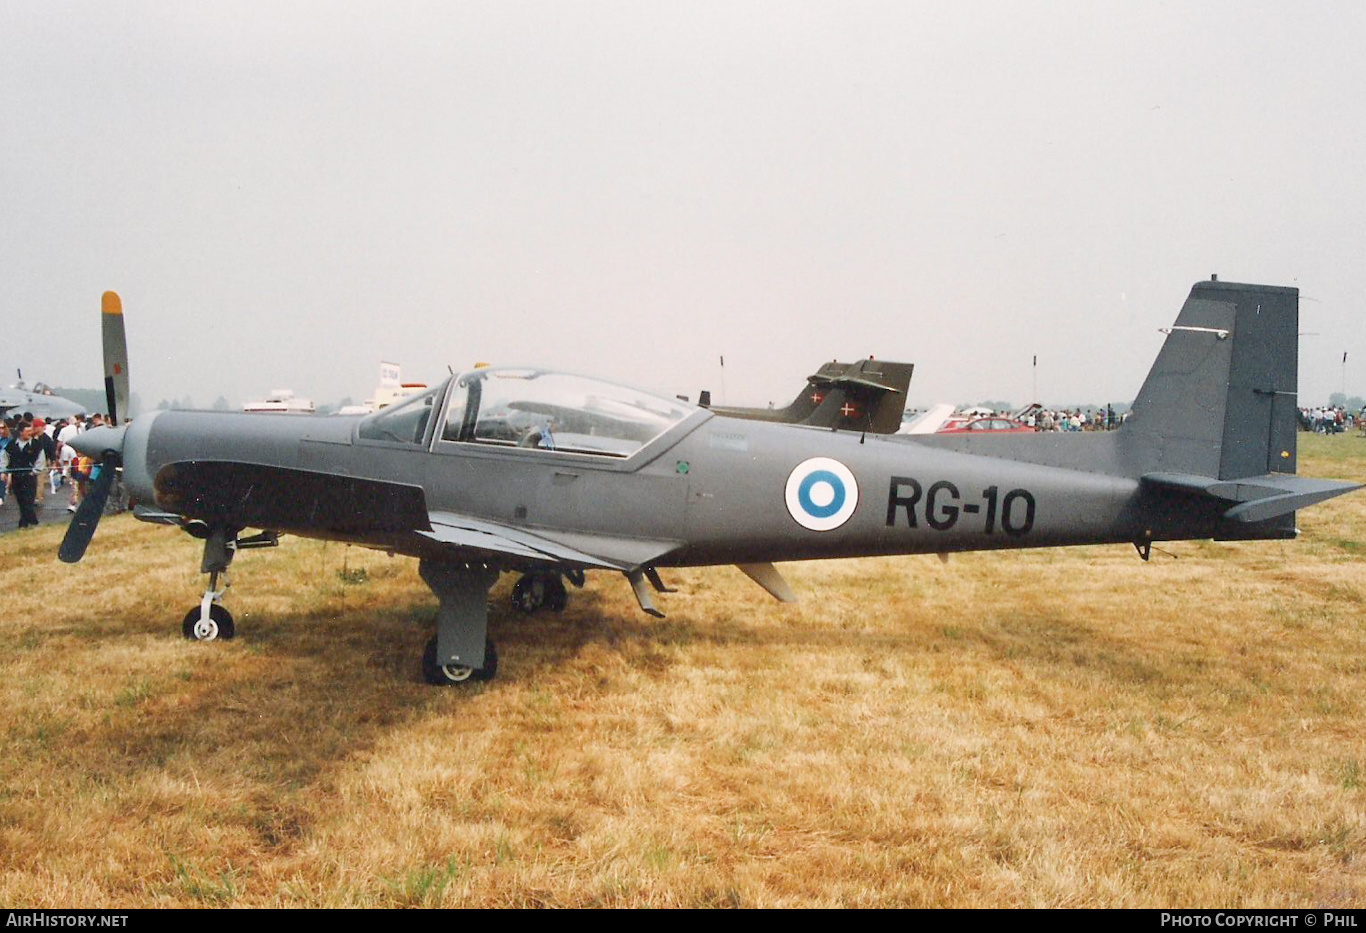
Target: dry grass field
x=1052, y=728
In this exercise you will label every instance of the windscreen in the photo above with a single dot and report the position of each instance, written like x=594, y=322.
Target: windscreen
x=404, y=423
x=557, y=411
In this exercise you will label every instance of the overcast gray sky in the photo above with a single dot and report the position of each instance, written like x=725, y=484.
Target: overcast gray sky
x=286, y=193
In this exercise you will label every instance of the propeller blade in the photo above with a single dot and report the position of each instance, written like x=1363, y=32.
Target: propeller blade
x=115, y=357
x=104, y=443
x=87, y=517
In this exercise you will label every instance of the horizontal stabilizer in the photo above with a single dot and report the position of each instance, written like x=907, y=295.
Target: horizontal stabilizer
x=869, y=395
x=856, y=381
x=1254, y=498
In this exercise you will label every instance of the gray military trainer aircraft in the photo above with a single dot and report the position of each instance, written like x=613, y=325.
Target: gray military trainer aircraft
x=552, y=475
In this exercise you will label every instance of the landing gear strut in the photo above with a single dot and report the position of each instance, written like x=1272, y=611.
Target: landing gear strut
x=461, y=650
x=209, y=620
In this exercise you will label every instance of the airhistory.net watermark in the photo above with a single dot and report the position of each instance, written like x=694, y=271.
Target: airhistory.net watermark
x=46, y=918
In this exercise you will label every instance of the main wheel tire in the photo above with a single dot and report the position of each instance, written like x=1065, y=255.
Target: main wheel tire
x=447, y=675
x=556, y=597
x=528, y=594
x=220, y=625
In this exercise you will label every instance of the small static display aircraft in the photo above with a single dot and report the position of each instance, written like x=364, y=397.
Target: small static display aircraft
x=869, y=395
x=551, y=475
x=38, y=399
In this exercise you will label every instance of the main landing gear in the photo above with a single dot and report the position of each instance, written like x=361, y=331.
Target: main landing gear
x=461, y=650
x=446, y=675
x=544, y=591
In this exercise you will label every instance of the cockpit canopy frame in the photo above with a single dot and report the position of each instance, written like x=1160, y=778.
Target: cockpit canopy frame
x=530, y=409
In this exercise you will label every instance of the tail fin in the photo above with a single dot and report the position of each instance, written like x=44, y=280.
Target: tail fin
x=1212, y=432
x=869, y=395
x=814, y=393
x=1216, y=417
x=1220, y=399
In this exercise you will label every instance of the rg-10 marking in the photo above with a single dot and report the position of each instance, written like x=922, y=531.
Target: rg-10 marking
x=943, y=506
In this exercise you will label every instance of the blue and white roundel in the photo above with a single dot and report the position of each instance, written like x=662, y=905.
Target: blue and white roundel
x=821, y=494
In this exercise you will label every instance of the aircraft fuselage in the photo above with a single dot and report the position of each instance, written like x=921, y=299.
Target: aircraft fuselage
x=714, y=489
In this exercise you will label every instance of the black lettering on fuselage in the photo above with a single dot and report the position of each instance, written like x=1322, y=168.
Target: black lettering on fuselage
x=945, y=507
x=947, y=514
x=895, y=500
x=1008, y=517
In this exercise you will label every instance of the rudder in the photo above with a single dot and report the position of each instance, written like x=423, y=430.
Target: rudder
x=1259, y=422
x=1220, y=399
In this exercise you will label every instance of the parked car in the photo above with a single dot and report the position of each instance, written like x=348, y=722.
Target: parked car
x=994, y=424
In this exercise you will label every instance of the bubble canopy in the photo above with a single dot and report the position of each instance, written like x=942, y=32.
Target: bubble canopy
x=533, y=409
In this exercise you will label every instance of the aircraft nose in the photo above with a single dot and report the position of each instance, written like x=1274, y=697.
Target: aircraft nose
x=96, y=442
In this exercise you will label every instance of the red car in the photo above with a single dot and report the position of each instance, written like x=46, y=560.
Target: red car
x=994, y=424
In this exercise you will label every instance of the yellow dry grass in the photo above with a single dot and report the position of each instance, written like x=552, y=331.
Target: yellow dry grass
x=1056, y=728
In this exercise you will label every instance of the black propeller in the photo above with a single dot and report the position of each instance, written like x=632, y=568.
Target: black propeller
x=106, y=444
x=87, y=517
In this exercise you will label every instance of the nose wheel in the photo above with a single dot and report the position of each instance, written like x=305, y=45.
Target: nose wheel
x=218, y=624
x=210, y=621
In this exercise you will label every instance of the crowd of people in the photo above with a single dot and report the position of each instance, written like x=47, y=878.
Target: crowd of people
x=1045, y=419
x=1327, y=419
x=37, y=459
x=1331, y=420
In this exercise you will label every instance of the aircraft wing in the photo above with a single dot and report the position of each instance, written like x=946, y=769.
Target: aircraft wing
x=586, y=551
x=307, y=502
x=493, y=538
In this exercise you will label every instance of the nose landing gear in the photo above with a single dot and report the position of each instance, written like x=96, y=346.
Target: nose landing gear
x=210, y=620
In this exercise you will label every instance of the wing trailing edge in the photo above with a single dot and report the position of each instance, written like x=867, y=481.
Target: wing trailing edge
x=490, y=537
x=580, y=551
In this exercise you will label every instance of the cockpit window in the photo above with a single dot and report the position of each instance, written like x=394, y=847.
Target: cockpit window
x=555, y=411
x=456, y=408
x=404, y=423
